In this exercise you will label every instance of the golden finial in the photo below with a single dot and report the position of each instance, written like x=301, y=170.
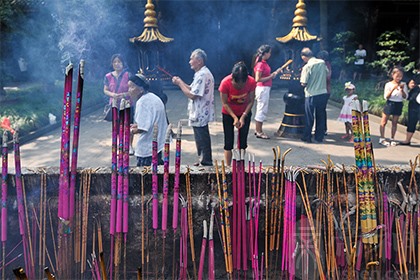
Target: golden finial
x=299, y=31
x=151, y=31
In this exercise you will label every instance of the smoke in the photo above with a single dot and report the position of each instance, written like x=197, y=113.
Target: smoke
x=67, y=31
x=229, y=31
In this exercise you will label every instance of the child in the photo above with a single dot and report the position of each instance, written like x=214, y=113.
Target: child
x=345, y=114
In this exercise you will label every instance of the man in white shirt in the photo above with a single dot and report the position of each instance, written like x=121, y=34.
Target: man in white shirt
x=149, y=111
x=201, y=104
x=359, y=63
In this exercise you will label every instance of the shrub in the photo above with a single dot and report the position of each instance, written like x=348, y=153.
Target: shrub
x=394, y=49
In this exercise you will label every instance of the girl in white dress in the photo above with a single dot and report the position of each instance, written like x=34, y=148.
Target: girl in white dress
x=345, y=114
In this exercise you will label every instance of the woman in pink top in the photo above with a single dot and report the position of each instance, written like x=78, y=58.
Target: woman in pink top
x=237, y=92
x=264, y=79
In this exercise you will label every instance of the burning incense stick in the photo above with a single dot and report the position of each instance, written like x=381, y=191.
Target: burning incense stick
x=164, y=72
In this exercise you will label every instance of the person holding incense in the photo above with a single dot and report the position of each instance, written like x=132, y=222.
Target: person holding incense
x=200, y=96
x=116, y=87
x=264, y=78
x=116, y=81
x=149, y=111
x=237, y=92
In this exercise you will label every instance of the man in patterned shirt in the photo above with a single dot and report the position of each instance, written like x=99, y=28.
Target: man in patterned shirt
x=201, y=104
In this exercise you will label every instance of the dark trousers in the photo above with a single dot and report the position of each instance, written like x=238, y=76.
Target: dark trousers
x=229, y=133
x=413, y=118
x=315, y=111
x=147, y=161
x=203, y=144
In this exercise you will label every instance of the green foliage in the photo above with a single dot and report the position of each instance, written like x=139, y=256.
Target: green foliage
x=28, y=107
x=343, y=52
x=394, y=49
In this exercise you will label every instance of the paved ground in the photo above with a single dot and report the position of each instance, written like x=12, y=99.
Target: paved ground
x=95, y=140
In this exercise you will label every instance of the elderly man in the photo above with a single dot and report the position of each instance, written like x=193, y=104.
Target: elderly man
x=201, y=104
x=149, y=111
x=314, y=79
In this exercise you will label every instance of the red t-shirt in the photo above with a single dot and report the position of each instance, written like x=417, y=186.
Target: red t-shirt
x=265, y=70
x=237, y=99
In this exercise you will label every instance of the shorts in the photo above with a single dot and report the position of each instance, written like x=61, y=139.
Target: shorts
x=393, y=108
x=262, y=96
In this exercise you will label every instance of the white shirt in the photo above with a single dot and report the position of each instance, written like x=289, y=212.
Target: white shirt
x=149, y=110
x=360, y=56
x=201, y=109
x=396, y=94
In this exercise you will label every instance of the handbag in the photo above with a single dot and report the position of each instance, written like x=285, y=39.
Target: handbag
x=107, y=115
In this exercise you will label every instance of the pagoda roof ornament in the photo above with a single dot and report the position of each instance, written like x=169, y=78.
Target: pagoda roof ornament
x=151, y=31
x=299, y=31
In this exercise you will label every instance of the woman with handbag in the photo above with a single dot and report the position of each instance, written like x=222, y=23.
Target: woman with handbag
x=116, y=87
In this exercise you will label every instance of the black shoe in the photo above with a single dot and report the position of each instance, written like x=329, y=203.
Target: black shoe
x=318, y=141
x=405, y=143
x=306, y=140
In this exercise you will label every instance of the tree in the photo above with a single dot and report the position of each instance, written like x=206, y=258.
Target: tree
x=342, y=55
x=394, y=49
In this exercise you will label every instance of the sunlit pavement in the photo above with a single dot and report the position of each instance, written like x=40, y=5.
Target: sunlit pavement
x=95, y=141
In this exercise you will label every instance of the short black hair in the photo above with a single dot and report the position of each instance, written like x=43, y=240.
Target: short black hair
x=140, y=81
x=240, y=72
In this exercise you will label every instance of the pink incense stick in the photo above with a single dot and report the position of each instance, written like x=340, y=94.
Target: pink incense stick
x=183, y=260
x=76, y=132
x=243, y=211
x=4, y=168
x=113, y=210
x=235, y=245
x=250, y=220
x=211, y=248
x=386, y=222
x=257, y=215
x=120, y=179
x=359, y=254
x=63, y=200
x=164, y=71
x=176, y=179
x=114, y=170
x=126, y=163
x=166, y=150
x=203, y=251
x=155, y=202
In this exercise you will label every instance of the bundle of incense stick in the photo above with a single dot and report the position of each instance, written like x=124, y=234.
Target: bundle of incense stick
x=166, y=150
x=22, y=216
x=363, y=156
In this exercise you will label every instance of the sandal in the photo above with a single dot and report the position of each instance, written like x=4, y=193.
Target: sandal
x=393, y=143
x=261, y=135
x=345, y=136
x=383, y=142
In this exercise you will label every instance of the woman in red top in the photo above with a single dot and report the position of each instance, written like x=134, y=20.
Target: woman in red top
x=264, y=79
x=237, y=92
